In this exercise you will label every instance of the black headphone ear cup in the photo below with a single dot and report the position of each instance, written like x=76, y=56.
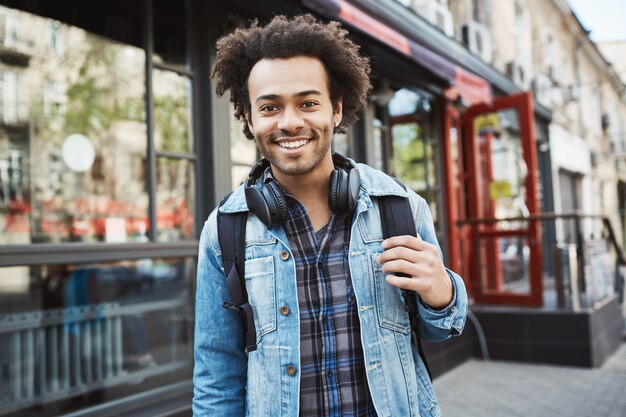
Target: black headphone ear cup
x=337, y=197
x=277, y=203
x=257, y=204
x=354, y=187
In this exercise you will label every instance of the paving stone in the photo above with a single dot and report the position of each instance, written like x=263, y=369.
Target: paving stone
x=508, y=389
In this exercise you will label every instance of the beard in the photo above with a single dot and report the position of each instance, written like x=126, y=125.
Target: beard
x=320, y=144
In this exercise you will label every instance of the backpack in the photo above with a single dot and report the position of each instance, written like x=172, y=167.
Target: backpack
x=396, y=220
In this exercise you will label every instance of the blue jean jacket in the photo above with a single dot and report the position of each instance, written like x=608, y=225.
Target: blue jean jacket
x=230, y=382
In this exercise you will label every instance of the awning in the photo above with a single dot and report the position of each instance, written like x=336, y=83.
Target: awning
x=473, y=88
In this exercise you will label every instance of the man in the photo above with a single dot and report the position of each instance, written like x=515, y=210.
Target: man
x=333, y=337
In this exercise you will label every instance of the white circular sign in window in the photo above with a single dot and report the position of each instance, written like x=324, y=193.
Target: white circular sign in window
x=78, y=152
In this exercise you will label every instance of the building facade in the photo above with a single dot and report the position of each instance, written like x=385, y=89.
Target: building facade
x=542, y=46
x=114, y=149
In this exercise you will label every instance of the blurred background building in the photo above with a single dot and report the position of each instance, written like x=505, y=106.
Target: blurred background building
x=114, y=148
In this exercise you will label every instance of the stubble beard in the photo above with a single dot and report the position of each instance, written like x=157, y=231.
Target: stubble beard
x=297, y=167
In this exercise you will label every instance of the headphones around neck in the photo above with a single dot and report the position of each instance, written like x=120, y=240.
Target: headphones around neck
x=268, y=203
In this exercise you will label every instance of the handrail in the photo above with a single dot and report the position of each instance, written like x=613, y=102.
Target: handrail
x=532, y=217
x=616, y=246
x=576, y=215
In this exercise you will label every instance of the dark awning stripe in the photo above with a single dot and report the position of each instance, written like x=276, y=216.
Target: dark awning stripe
x=358, y=19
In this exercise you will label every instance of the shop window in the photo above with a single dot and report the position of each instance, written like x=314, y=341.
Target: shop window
x=414, y=149
x=69, y=331
x=71, y=161
x=172, y=112
x=175, y=165
x=175, y=199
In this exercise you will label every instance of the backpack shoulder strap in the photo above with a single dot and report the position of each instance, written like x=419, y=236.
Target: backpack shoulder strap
x=397, y=220
x=232, y=239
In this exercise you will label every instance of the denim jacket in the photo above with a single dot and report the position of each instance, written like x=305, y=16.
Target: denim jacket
x=230, y=382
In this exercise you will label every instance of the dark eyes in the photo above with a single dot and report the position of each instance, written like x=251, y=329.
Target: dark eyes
x=271, y=108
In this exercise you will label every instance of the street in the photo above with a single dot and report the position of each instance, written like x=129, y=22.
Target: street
x=508, y=389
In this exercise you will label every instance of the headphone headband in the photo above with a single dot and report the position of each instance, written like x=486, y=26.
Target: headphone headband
x=268, y=201
x=257, y=170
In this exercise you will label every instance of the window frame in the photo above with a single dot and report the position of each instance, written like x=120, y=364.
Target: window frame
x=47, y=253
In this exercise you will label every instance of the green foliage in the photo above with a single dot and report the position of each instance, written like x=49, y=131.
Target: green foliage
x=94, y=102
x=171, y=122
x=409, y=155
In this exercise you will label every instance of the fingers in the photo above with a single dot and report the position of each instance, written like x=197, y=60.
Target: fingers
x=417, y=285
x=411, y=242
x=408, y=248
x=399, y=252
x=423, y=267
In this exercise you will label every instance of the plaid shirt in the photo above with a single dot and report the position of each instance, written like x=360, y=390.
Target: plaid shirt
x=333, y=381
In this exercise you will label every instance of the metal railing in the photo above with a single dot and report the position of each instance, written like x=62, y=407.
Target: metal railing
x=58, y=353
x=582, y=261
x=51, y=354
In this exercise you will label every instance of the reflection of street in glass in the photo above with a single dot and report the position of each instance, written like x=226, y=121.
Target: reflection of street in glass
x=514, y=257
x=78, y=173
x=98, y=324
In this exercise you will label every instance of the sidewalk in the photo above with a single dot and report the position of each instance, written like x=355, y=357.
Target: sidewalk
x=508, y=389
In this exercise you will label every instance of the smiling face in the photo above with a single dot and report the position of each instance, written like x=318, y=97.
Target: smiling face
x=292, y=116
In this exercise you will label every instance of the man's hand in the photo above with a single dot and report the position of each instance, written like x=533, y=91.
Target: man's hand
x=420, y=260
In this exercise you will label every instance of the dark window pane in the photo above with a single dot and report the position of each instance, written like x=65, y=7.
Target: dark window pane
x=114, y=19
x=72, y=137
x=172, y=120
x=170, y=32
x=175, y=199
x=74, y=336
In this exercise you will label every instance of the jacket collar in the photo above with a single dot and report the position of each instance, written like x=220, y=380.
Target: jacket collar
x=374, y=183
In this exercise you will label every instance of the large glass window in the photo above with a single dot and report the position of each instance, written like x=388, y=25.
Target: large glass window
x=68, y=331
x=72, y=136
x=96, y=146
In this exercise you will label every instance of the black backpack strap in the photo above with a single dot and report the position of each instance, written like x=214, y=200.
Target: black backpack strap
x=232, y=238
x=397, y=220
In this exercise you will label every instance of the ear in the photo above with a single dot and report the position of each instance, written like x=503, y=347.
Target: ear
x=338, y=112
x=249, y=121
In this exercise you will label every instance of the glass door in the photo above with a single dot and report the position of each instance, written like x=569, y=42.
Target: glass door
x=503, y=241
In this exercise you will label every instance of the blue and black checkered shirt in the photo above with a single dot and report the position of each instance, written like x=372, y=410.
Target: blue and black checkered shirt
x=333, y=380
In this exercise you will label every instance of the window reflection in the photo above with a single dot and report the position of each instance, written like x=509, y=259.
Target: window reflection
x=414, y=149
x=503, y=170
x=64, y=82
x=69, y=330
x=243, y=151
x=175, y=199
x=172, y=123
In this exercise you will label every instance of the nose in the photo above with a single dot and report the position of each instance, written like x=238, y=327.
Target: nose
x=291, y=120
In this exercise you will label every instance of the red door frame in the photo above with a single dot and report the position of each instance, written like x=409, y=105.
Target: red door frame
x=470, y=184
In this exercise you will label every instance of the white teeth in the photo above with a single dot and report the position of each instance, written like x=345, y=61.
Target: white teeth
x=293, y=145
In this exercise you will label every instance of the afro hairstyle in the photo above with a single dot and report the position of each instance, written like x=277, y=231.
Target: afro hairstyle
x=347, y=70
